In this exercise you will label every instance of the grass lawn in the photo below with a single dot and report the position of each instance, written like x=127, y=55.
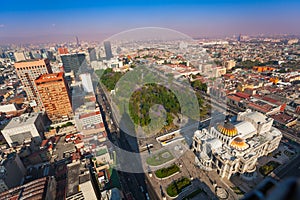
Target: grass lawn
x=177, y=186
x=160, y=158
x=165, y=172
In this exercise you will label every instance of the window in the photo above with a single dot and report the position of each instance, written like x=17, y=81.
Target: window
x=220, y=164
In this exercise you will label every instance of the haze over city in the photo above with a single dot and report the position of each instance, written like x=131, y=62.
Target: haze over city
x=33, y=21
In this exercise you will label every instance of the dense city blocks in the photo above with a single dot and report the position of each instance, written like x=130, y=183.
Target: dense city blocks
x=149, y=100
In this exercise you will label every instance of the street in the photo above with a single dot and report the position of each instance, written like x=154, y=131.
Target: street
x=131, y=182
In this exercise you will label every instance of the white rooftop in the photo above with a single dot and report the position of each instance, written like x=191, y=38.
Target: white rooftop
x=245, y=128
x=215, y=143
x=257, y=117
x=24, y=119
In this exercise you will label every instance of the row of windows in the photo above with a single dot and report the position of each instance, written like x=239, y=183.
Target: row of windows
x=32, y=67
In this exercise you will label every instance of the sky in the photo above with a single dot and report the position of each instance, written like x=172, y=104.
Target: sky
x=41, y=21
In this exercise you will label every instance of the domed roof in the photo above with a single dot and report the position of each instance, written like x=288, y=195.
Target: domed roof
x=239, y=143
x=227, y=129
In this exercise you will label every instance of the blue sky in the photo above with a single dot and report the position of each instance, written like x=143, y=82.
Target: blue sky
x=38, y=20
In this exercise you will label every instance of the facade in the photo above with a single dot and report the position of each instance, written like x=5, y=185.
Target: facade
x=108, y=52
x=12, y=171
x=88, y=119
x=87, y=83
x=233, y=148
x=27, y=72
x=113, y=63
x=23, y=129
x=92, y=54
x=72, y=62
x=54, y=93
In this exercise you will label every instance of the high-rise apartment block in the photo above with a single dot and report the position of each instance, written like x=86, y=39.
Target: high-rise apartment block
x=27, y=72
x=55, y=96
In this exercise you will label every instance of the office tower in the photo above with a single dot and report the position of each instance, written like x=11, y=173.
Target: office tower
x=239, y=39
x=55, y=96
x=77, y=42
x=63, y=50
x=27, y=72
x=107, y=47
x=92, y=54
x=72, y=62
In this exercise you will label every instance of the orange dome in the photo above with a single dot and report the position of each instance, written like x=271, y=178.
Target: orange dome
x=227, y=129
x=239, y=143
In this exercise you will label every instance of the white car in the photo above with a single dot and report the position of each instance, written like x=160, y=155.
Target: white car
x=147, y=196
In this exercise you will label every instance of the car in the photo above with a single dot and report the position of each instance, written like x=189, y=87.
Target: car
x=141, y=188
x=147, y=196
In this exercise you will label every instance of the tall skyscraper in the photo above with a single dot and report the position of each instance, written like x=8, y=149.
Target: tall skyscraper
x=239, y=39
x=27, y=72
x=55, y=96
x=77, y=42
x=72, y=62
x=108, y=52
x=92, y=54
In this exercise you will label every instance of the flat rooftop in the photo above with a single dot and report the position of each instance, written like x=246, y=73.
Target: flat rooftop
x=31, y=60
x=32, y=190
x=50, y=77
x=24, y=119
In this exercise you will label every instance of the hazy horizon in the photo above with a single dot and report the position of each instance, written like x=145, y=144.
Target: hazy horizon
x=31, y=21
